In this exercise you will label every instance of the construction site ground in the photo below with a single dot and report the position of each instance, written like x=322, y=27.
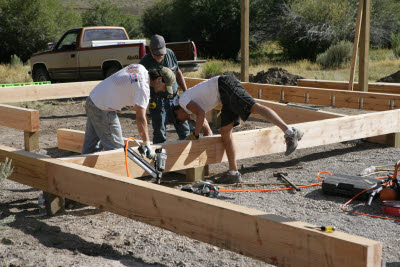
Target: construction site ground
x=86, y=236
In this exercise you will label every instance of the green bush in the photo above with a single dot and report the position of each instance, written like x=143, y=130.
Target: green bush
x=5, y=170
x=28, y=26
x=211, y=67
x=396, y=44
x=105, y=13
x=16, y=61
x=336, y=55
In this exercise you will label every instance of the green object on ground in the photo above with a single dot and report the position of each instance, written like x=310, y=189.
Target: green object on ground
x=24, y=84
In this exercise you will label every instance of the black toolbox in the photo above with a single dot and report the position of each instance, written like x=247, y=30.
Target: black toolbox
x=347, y=185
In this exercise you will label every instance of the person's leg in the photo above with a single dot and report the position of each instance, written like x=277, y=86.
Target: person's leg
x=269, y=115
x=158, y=117
x=227, y=140
x=107, y=127
x=183, y=130
x=91, y=140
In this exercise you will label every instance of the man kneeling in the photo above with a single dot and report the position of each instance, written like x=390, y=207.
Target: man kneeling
x=236, y=104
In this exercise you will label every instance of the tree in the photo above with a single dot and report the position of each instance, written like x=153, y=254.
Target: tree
x=105, y=13
x=214, y=25
x=27, y=26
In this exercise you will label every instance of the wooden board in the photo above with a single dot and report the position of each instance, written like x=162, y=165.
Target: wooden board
x=47, y=91
x=315, y=96
x=253, y=143
x=384, y=88
x=19, y=118
x=267, y=237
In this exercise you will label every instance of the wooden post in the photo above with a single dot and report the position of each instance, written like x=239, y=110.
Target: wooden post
x=244, y=50
x=364, y=47
x=356, y=42
x=31, y=140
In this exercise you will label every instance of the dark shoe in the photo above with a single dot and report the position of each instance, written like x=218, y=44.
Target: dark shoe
x=291, y=140
x=228, y=178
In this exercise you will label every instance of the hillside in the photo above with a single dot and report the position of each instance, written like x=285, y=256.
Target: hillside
x=133, y=7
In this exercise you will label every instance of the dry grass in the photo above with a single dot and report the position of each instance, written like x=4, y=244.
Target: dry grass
x=14, y=74
x=382, y=63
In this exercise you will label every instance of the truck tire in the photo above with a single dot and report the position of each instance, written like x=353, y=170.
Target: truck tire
x=111, y=70
x=41, y=75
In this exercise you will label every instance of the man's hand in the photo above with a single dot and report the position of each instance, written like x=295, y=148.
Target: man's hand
x=147, y=150
x=192, y=136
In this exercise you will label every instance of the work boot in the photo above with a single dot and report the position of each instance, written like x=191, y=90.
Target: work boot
x=291, y=140
x=228, y=178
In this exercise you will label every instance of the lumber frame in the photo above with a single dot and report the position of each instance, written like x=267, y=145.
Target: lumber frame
x=267, y=237
x=315, y=96
x=253, y=143
x=384, y=88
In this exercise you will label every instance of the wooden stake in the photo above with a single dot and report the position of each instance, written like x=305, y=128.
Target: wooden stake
x=356, y=42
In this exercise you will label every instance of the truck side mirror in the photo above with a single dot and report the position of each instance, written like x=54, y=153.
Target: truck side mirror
x=51, y=46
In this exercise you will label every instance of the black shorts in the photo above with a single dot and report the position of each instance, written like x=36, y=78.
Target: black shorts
x=236, y=102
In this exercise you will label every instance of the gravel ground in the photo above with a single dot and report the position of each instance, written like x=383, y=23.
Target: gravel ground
x=90, y=237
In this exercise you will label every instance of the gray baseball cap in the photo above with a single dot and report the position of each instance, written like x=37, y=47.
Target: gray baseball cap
x=168, y=77
x=157, y=45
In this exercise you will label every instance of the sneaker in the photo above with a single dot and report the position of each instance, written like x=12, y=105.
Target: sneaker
x=291, y=140
x=228, y=178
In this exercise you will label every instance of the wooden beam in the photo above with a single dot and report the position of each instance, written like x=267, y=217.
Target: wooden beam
x=364, y=46
x=47, y=91
x=19, y=118
x=253, y=143
x=384, y=88
x=267, y=237
x=314, y=96
x=356, y=43
x=244, y=41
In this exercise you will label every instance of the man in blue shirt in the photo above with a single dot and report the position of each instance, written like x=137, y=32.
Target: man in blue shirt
x=162, y=104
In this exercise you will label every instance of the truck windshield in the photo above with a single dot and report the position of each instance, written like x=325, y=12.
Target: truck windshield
x=104, y=34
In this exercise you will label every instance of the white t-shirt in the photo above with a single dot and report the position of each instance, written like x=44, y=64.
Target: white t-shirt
x=128, y=87
x=205, y=94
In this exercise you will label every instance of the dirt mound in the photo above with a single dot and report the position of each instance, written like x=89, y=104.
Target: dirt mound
x=272, y=76
x=394, y=78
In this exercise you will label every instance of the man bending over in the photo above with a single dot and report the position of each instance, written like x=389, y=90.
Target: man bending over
x=236, y=104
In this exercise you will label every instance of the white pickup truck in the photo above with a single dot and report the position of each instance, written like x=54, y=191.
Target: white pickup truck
x=94, y=53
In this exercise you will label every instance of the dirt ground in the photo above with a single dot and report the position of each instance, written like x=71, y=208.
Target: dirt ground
x=90, y=237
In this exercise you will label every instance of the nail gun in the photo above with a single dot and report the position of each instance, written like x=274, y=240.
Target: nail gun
x=159, y=160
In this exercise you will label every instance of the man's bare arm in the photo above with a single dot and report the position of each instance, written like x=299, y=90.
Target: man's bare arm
x=181, y=80
x=141, y=123
x=200, y=116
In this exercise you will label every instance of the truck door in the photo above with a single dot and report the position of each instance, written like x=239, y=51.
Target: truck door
x=63, y=64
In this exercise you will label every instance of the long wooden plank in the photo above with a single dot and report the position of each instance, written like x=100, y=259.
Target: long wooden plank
x=296, y=94
x=47, y=91
x=267, y=237
x=19, y=118
x=385, y=88
x=253, y=143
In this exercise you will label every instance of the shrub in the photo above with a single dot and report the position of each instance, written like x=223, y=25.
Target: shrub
x=396, y=44
x=211, y=67
x=336, y=55
x=5, y=170
x=16, y=61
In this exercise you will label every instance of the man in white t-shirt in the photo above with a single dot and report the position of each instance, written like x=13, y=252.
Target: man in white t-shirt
x=236, y=104
x=129, y=87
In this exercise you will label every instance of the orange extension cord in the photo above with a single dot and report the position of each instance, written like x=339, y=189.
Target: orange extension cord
x=386, y=184
x=126, y=154
x=277, y=189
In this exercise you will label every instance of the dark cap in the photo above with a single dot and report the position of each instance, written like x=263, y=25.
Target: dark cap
x=157, y=45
